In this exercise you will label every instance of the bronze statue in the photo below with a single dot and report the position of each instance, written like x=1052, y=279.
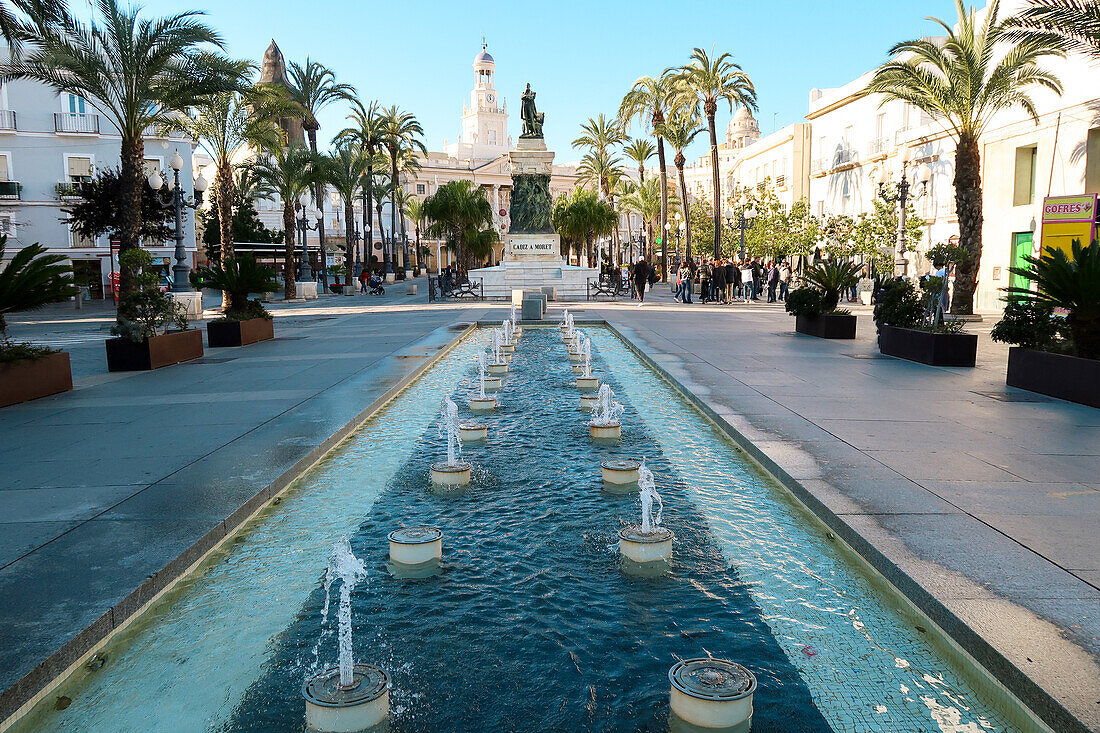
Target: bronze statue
x=532, y=119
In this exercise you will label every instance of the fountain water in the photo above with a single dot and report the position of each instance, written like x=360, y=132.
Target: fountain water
x=713, y=694
x=648, y=542
x=507, y=341
x=573, y=347
x=586, y=382
x=454, y=471
x=479, y=400
x=568, y=333
x=604, y=423
x=350, y=696
x=513, y=316
x=498, y=364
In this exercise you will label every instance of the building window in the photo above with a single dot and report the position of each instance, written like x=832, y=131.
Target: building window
x=5, y=167
x=7, y=229
x=1023, y=189
x=78, y=168
x=78, y=241
x=492, y=137
x=152, y=165
x=420, y=188
x=76, y=104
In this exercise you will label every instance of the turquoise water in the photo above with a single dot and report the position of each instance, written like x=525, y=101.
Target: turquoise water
x=532, y=626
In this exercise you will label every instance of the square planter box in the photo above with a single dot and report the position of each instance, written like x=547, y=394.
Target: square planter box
x=826, y=326
x=1065, y=377
x=154, y=353
x=937, y=349
x=29, y=379
x=239, y=333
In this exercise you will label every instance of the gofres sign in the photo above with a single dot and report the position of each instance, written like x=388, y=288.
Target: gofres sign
x=1069, y=208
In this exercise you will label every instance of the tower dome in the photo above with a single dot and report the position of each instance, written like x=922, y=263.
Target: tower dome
x=483, y=57
x=743, y=129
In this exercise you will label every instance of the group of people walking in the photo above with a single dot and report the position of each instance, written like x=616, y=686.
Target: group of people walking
x=725, y=280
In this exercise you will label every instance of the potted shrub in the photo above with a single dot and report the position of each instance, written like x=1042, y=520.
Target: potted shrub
x=32, y=279
x=908, y=327
x=1053, y=354
x=337, y=271
x=814, y=306
x=244, y=321
x=144, y=340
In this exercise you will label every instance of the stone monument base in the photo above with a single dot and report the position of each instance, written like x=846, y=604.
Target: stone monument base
x=570, y=282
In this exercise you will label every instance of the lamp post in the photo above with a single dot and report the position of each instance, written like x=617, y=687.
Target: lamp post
x=174, y=199
x=664, y=246
x=677, y=226
x=746, y=218
x=304, y=228
x=353, y=239
x=921, y=177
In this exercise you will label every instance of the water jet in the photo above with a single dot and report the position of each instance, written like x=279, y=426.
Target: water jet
x=648, y=542
x=454, y=471
x=604, y=424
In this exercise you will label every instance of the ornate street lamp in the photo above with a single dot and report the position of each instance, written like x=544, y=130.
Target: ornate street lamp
x=304, y=227
x=175, y=199
x=353, y=239
x=921, y=177
x=746, y=218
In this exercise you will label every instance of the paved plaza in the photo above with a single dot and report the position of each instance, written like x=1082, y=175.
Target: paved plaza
x=978, y=501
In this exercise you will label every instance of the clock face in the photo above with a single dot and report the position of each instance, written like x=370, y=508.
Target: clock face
x=489, y=98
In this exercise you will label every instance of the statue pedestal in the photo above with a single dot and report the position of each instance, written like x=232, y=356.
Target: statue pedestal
x=531, y=157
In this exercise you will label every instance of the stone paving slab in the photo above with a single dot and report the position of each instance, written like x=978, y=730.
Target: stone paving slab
x=981, y=510
x=104, y=487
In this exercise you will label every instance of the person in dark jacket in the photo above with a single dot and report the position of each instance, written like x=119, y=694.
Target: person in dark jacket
x=705, y=273
x=731, y=280
x=641, y=279
x=757, y=277
x=718, y=282
x=735, y=281
x=773, y=280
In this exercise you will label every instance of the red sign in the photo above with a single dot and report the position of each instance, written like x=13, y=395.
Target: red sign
x=503, y=212
x=1070, y=208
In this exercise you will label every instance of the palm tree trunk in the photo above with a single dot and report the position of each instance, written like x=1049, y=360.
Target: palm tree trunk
x=131, y=170
x=641, y=173
x=968, y=204
x=382, y=236
x=368, y=214
x=349, y=224
x=715, y=178
x=223, y=187
x=319, y=195
x=393, y=198
x=664, y=205
x=288, y=253
x=680, y=160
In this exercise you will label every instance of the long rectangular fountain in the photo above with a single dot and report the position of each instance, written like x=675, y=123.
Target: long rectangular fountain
x=530, y=621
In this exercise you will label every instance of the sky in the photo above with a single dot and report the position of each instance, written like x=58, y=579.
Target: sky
x=580, y=57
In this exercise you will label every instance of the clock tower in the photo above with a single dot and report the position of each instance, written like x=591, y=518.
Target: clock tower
x=485, y=118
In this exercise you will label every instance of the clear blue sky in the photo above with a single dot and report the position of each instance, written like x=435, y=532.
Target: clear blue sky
x=579, y=56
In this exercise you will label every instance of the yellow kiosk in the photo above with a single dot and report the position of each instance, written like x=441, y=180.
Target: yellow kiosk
x=1066, y=218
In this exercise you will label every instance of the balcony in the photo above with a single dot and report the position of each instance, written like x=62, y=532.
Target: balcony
x=72, y=123
x=781, y=181
x=70, y=190
x=878, y=147
x=10, y=190
x=7, y=119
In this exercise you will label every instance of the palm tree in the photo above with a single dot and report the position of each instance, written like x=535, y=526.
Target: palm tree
x=17, y=17
x=286, y=172
x=139, y=72
x=963, y=81
x=640, y=151
x=400, y=132
x=345, y=169
x=414, y=210
x=680, y=130
x=31, y=279
x=649, y=99
x=646, y=200
x=459, y=213
x=584, y=216
x=1073, y=24
x=600, y=135
x=315, y=87
x=225, y=124
x=706, y=81
x=367, y=133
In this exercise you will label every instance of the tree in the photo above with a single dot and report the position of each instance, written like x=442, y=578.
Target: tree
x=245, y=225
x=138, y=71
x=584, y=216
x=99, y=210
x=706, y=81
x=414, y=210
x=225, y=124
x=649, y=99
x=963, y=80
x=872, y=236
x=600, y=135
x=345, y=169
x=646, y=200
x=17, y=18
x=640, y=151
x=31, y=279
x=681, y=128
x=367, y=133
x=314, y=88
x=286, y=172
x=459, y=213
x=400, y=133
x=1073, y=24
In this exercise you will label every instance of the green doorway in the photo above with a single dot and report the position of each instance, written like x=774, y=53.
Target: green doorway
x=1021, y=247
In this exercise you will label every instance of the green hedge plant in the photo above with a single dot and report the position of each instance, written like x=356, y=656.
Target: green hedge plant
x=240, y=276
x=30, y=280
x=148, y=310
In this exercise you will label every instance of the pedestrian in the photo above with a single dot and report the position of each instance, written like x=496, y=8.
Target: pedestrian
x=690, y=284
x=718, y=281
x=746, y=281
x=757, y=277
x=641, y=279
x=736, y=283
x=784, y=280
x=731, y=279
x=705, y=273
x=773, y=280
